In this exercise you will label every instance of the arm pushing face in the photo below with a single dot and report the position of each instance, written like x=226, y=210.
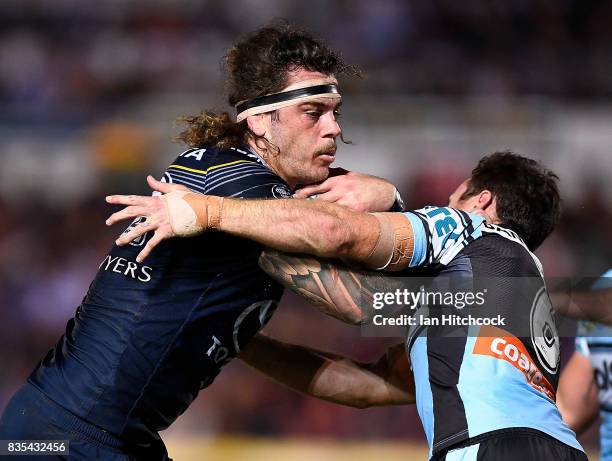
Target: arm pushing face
x=353, y=190
x=378, y=241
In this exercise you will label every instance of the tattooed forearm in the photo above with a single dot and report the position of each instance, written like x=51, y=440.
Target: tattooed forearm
x=335, y=289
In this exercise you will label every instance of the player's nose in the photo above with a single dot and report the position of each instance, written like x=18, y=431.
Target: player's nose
x=332, y=127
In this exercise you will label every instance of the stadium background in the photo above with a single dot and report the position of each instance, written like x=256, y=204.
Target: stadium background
x=88, y=95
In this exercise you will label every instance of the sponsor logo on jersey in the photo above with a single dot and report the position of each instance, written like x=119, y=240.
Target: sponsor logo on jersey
x=603, y=375
x=198, y=154
x=128, y=268
x=280, y=191
x=500, y=344
x=138, y=241
x=251, y=320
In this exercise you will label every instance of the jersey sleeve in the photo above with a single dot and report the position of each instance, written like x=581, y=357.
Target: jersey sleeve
x=588, y=331
x=603, y=282
x=582, y=340
x=227, y=173
x=440, y=233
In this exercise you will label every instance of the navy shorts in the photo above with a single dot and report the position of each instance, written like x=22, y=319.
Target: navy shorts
x=30, y=415
x=520, y=444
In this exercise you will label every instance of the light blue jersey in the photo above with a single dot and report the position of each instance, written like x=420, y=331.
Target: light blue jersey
x=594, y=341
x=473, y=381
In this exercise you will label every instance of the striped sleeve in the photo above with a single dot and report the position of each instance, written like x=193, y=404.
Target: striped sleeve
x=440, y=233
x=227, y=173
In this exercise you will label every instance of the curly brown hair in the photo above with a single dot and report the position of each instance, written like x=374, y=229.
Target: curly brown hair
x=257, y=65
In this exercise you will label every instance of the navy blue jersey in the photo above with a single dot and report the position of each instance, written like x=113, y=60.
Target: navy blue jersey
x=147, y=337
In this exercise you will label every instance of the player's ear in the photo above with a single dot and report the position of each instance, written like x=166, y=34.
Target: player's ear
x=487, y=204
x=485, y=199
x=258, y=124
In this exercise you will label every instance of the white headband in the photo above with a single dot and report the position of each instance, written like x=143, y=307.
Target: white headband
x=305, y=90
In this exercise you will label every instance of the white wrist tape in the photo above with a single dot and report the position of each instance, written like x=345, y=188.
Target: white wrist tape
x=395, y=245
x=183, y=218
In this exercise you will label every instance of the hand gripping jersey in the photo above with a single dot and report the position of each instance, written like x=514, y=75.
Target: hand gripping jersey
x=472, y=379
x=147, y=337
x=594, y=341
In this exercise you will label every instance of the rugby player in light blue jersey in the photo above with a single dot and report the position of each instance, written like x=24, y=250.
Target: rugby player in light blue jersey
x=482, y=392
x=585, y=386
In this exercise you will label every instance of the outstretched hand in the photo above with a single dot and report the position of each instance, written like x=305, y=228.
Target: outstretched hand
x=154, y=209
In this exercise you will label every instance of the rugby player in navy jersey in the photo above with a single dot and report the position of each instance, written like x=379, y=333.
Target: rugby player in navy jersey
x=483, y=392
x=148, y=337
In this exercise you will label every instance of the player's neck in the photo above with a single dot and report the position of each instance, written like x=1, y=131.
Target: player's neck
x=272, y=161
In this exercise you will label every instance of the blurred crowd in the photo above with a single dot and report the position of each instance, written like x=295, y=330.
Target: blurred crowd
x=72, y=55
x=69, y=69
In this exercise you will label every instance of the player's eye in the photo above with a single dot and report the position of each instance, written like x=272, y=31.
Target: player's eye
x=314, y=113
x=337, y=113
